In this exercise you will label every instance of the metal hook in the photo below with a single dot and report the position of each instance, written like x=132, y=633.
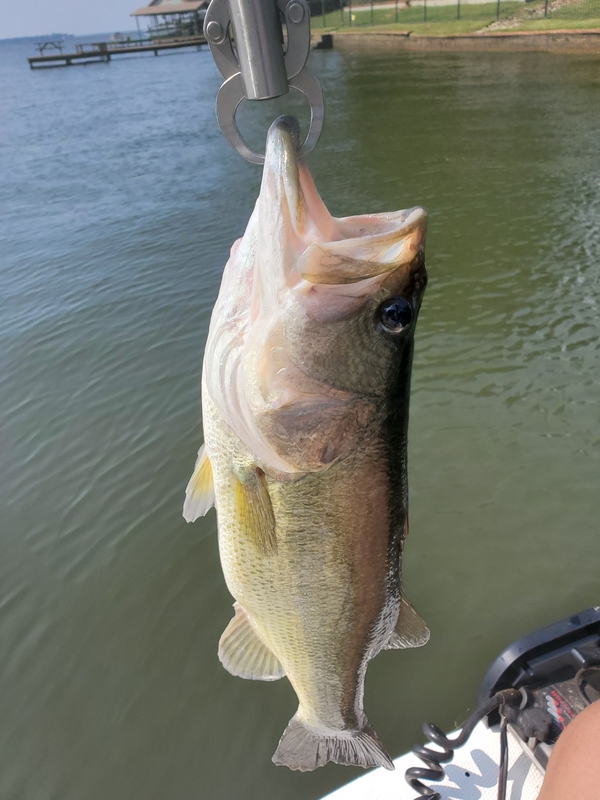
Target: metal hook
x=260, y=70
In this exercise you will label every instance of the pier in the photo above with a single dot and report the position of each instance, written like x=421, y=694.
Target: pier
x=104, y=51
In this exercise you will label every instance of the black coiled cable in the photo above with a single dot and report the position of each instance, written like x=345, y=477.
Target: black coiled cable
x=433, y=759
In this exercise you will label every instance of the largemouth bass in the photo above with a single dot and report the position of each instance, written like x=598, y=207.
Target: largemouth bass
x=305, y=393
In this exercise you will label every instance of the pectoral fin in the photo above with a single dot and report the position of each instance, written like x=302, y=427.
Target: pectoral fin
x=410, y=630
x=242, y=653
x=254, y=509
x=200, y=491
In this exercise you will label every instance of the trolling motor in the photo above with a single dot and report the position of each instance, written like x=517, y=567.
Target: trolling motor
x=246, y=39
x=536, y=687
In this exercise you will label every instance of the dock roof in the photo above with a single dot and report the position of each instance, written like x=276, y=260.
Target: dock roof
x=168, y=7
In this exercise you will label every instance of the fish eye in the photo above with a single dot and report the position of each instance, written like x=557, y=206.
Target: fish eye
x=395, y=314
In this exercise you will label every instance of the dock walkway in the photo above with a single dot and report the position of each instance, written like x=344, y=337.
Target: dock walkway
x=104, y=51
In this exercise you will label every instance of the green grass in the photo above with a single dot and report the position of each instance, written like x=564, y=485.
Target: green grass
x=581, y=9
x=557, y=23
x=449, y=28
x=408, y=17
x=442, y=20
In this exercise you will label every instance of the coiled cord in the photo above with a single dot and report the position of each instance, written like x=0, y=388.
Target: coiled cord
x=433, y=759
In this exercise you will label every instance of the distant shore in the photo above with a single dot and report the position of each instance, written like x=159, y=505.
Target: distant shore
x=42, y=37
x=567, y=40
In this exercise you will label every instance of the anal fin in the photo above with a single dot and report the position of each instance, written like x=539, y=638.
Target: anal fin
x=200, y=491
x=410, y=630
x=242, y=653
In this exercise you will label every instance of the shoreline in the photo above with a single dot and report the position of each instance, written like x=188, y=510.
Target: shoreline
x=587, y=41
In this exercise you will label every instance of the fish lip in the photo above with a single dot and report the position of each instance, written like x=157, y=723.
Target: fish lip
x=287, y=126
x=282, y=162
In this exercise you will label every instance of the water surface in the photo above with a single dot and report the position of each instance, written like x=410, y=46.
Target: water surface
x=120, y=201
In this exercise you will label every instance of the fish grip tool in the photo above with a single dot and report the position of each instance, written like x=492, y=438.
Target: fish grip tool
x=258, y=62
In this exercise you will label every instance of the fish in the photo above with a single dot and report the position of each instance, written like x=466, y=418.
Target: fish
x=305, y=400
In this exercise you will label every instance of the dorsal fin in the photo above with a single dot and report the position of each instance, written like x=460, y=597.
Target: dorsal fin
x=410, y=630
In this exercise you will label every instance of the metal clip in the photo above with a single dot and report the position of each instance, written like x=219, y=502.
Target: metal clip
x=258, y=68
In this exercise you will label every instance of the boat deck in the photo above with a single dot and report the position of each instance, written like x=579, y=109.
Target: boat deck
x=471, y=775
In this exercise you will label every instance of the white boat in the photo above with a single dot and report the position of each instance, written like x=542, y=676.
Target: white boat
x=471, y=775
x=546, y=679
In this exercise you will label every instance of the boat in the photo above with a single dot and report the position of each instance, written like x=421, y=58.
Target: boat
x=529, y=695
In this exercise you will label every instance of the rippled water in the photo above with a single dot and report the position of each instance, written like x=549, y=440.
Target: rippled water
x=120, y=201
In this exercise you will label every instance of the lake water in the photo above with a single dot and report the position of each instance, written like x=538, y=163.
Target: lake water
x=120, y=200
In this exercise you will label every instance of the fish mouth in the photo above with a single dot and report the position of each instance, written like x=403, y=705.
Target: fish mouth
x=332, y=265
x=331, y=250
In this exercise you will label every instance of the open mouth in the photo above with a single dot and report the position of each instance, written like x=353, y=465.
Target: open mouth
x=329, y=250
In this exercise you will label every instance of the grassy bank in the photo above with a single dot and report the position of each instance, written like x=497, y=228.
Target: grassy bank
x=461, y=18
x=436, y=28
x=561, y=24
x=418, y=15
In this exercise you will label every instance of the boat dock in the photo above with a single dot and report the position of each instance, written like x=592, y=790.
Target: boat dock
x=104, y=51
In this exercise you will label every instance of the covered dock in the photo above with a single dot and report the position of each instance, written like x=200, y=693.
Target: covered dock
x=170, y=19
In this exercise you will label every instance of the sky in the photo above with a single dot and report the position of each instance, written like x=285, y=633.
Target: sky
x=38, y=17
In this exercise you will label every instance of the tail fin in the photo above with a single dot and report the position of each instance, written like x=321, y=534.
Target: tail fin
x=305, y=749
